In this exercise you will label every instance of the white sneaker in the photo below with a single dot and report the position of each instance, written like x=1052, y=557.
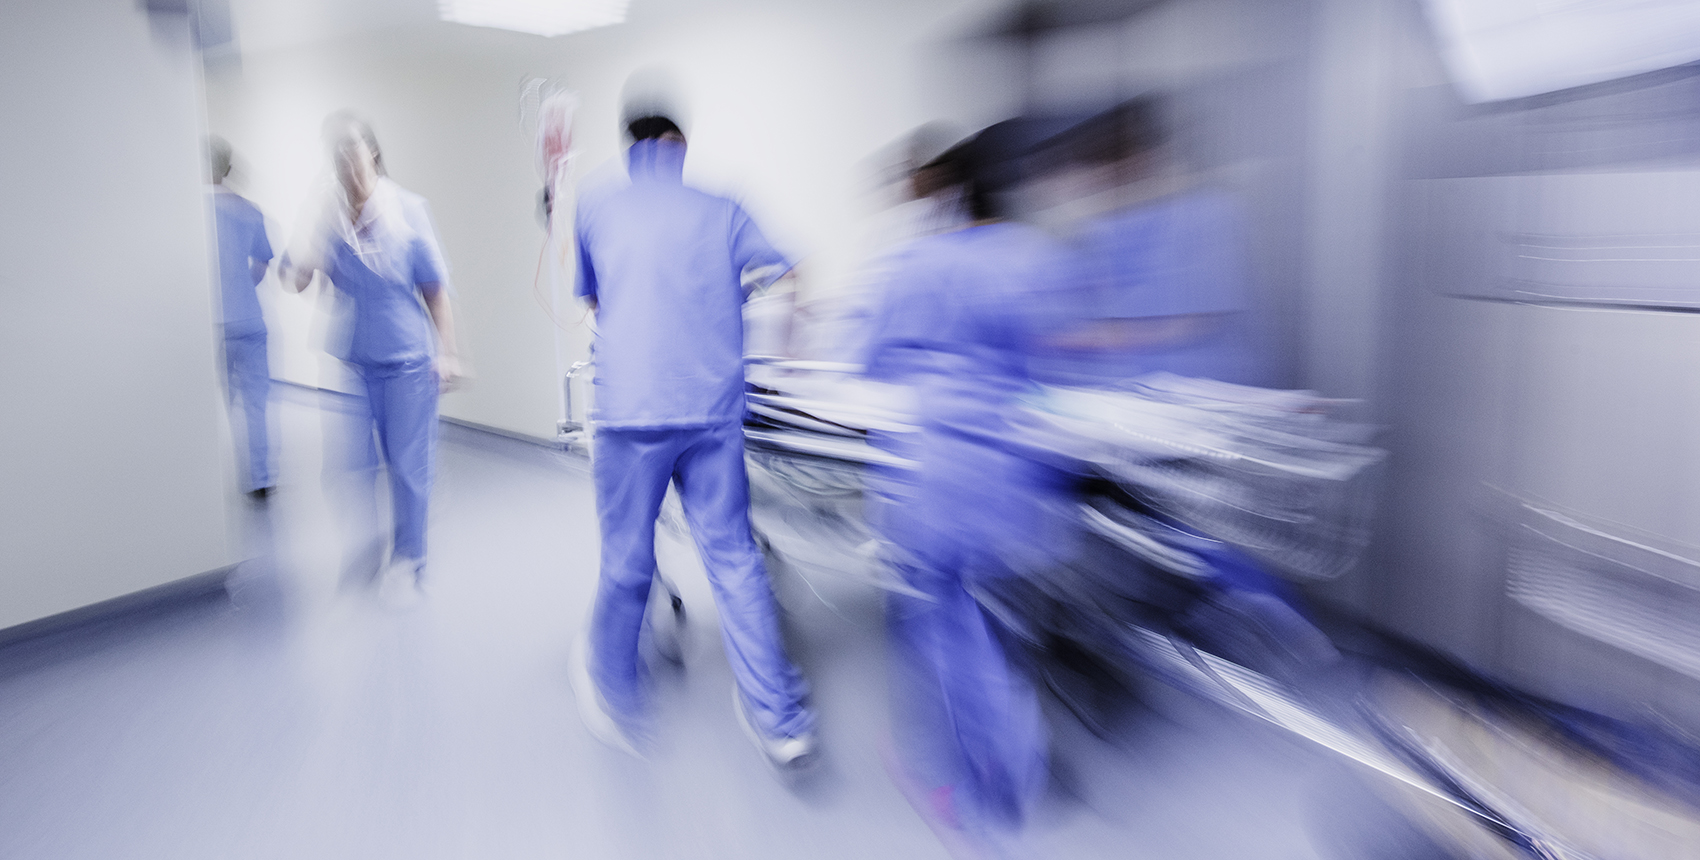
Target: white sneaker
x=786, y=755
x=592, y=708
x=398, y=586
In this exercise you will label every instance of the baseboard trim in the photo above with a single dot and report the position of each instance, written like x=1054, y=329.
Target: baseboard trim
x=137, y=605
x=505, y=434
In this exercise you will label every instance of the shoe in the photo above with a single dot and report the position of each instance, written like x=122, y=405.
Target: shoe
x=783, y=754
x=259, y=495
x=398, y=586
x=593, y=710
x=937, y=808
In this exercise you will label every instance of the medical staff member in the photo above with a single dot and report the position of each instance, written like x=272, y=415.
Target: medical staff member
x=414, y=208
x=398, y=337
x=960, y=313
x=243, y=255
x=664, y=268
x=1163, y=281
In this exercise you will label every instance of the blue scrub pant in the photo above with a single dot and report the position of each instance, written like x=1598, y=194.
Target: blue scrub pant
x=400, y=404
x=248, y=383
x=967, y=722
x=633, y=469
x=966, y=719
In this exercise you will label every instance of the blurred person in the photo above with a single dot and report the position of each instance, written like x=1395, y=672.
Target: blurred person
x=1161, y=267
x=1159, y=285
x=666, y=269
x=244, y=254
x=414, y=207
x=959, y=314
x=398, y=336
x=915, y=204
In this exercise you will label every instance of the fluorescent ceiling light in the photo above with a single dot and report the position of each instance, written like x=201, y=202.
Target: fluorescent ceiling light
x=543, y=17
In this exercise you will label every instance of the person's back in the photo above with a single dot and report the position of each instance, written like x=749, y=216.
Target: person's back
x=665, y=264
x=1180, y=257
x=242, y=240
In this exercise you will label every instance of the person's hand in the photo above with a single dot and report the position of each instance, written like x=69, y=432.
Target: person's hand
x=448, y=373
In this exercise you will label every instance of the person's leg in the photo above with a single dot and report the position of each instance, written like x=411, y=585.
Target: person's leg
x=922, y=733
x=632, y=470
x=969, y=723
x=249, y=381
x=351, y=477
x=995, y=713
x=406, y=416
x=716, y=495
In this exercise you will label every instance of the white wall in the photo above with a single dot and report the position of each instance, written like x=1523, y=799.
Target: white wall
x=111, y=444
x=785, y=98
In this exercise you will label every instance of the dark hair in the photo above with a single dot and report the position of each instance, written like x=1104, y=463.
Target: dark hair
x=344, y=124
x=986, y=165
x=651, y=127
x=1128, y=129
x=218, y=157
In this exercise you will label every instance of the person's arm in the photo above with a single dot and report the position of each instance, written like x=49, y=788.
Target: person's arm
x=293, y=277
x=442, y=316
x=305, y=253
x=260, y=255
x=757, y=263
x=417, y=212
x=585, y=286
x=427, y=279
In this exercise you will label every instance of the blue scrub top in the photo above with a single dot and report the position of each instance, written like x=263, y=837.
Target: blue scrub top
x=381, y=282
x=666, y=264
x=966, y=306
x=959, y=319
x=417, y=212
x=241, y=234
x=1179, y=256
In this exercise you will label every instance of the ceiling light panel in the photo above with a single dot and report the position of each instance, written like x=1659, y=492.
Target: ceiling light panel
x=542, y=17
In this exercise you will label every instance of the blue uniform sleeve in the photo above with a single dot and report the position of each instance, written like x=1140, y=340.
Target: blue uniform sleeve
x=1182, y=257
x=1213, y=242
x=585, y=286
x=262, y=249
x=424, y=265
x=751, y=252
x=903, y=335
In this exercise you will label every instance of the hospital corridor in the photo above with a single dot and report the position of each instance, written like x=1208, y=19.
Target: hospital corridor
x=251, y=727
x=969, y=429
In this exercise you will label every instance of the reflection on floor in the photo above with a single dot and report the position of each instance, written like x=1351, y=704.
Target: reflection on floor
x=300, y=723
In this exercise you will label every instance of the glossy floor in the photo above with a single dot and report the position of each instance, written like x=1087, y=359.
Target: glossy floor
x=301, y=722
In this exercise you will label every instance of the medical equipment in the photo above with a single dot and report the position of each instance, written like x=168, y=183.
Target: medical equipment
x=1184, y=467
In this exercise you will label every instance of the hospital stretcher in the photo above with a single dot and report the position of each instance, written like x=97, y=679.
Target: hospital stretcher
x=1176, y=465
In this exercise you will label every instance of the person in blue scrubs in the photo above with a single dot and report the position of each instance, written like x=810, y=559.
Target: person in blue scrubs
x=1162, y=281
x=959, y=317
x=1162, y=285
x=399, y=340
x=665, y=268
x=414, y=208
x=243, y=254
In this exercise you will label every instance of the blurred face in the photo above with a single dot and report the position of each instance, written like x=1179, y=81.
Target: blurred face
x=355, y=170
x=672, y=136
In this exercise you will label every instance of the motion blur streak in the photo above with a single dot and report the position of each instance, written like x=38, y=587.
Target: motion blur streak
x=1171, y=429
